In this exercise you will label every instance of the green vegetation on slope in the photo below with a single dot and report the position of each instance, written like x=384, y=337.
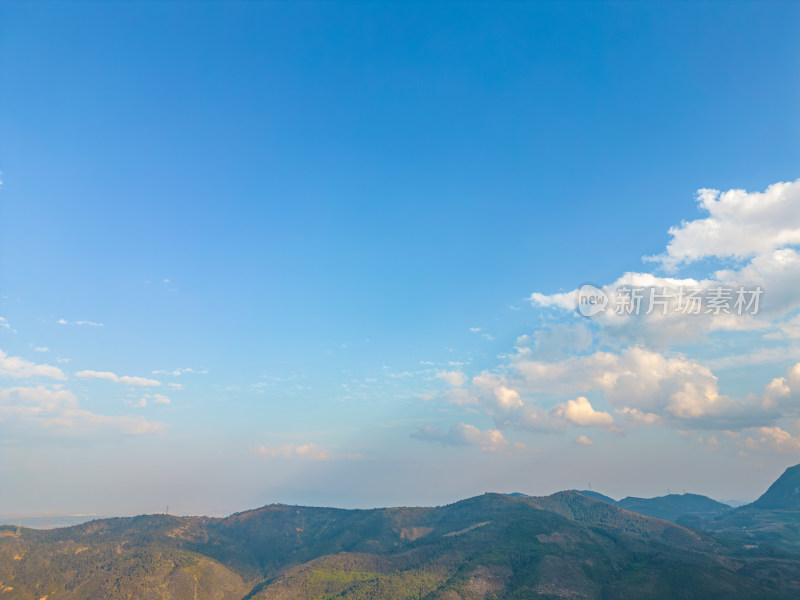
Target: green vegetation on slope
x=493, y=546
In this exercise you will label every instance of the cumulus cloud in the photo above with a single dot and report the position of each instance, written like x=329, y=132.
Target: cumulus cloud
x=59, y=410
x=784, y=392
x=123, y=379
x=776, y=272
x=739, y=224
x=580, y=412
x=671, y=386
x=497, y=396
x=19, y=368
x=491, y=440
x=772, y=439
x=758, y=231
x=584, y=441
x=642, y=386
x=624, y=356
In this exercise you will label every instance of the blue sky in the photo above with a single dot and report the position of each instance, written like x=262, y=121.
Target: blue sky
x=256, y=252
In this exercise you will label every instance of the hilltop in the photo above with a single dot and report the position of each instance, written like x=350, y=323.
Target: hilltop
x=784, y=493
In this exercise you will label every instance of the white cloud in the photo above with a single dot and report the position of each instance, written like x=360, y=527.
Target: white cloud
x=772, y=439
x=4, y=324
x=637, y=417
x=627, y=359
x=304, y=451
x=156, y=398
x=123, y=379
x=181, y=371
x=789, y=329
x=41, y=349
x=496, y=396
x=453, y=378
x=670, y=324
x=138, y=381
x=580, y=412
x=740, y=224
x=564, y=300
x=776, y=272
x=639, y=378
x=784, y=392
x=584, y=441
x=759, y=356
x=87, y=323
x=19, y=368
x=58, y=409
x=758, y=233
x=491, y=440
x=644, y=387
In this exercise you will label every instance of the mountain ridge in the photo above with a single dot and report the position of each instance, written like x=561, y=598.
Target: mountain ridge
x=488, y=547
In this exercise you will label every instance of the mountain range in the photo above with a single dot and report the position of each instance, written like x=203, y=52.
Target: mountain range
x=670, y=507
x=495, y=546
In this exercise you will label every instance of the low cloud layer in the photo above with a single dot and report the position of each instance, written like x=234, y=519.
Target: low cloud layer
x=19, y=368
x=463, y=435
x=58, y=411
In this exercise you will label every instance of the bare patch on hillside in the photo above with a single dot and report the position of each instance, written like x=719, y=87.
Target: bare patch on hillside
x=466, y=529
x=414, y=533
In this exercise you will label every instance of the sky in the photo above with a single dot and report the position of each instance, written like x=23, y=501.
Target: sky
x=329, y=253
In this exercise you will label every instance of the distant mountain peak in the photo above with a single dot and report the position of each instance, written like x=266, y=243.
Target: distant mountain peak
x=673, y=506
x=596, y=496
x=784, y=493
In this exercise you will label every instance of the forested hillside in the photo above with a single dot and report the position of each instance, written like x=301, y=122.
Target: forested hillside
x=492, y=546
